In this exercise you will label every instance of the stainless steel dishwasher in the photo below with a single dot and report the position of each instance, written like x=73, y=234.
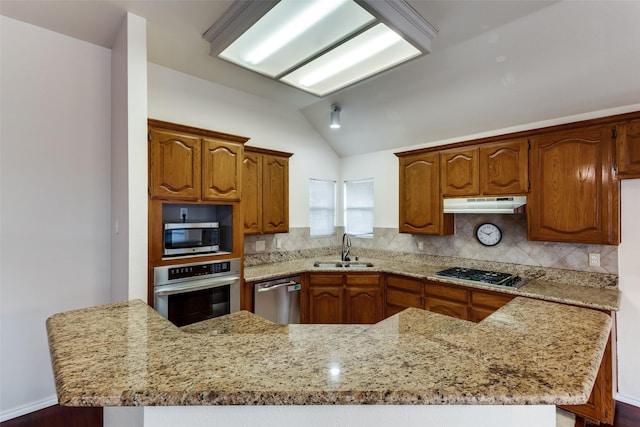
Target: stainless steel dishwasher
x=278, y=300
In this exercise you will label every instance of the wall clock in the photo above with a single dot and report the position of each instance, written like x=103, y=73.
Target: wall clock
x=488, y=234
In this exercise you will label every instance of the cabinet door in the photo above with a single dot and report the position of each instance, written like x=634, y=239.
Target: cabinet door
x=174, y=163
x=363, y=298
x=574, y=194
x=363, y=305
x=325, y=304
x=628, y=149
x=252, y=193
x=221, y=170
x=504, y=168
x=459, y=172
x=420, y=204
x=275, y=193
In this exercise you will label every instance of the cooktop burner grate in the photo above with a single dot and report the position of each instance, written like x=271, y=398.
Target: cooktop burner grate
x=481, y=276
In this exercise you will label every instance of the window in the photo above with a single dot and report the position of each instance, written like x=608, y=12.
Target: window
x=358, y=207
x=322, y=207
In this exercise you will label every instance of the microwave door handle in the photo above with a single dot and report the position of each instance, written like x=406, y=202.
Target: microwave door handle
x=272, y=287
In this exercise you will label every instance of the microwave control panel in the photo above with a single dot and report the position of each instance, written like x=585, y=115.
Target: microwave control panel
x=183, y=271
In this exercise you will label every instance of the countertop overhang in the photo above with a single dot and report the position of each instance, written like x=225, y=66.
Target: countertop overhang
x=528, y=352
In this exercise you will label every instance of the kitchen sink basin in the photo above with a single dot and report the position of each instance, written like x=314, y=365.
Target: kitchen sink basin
x=340, y=264
x=320, y=264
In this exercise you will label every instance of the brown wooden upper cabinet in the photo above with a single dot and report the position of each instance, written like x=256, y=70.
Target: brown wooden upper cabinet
x=492, y=169
x=628, y=149
x=265, y=198
x=193, y=164
x=504, y=167
x=459, y=172
x=421, y=209
x=574, y=194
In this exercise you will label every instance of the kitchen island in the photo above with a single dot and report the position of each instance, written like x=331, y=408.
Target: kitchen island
x=529, y=352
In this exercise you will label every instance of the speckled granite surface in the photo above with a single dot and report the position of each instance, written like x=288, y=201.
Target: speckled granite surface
x=127, y=354
x=584, y=289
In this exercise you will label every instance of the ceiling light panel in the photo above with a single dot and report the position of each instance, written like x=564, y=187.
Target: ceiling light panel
x=294, y=31
x=319, y=46
x=373, y=51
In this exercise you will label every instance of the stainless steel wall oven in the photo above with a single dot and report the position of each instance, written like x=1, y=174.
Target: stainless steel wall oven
x=189, y=293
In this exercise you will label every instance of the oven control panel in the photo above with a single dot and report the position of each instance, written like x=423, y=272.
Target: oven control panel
x=171, y=274
x=187, y=271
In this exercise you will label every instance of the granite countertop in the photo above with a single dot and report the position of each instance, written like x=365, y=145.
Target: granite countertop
x=593, y=290
x=126, y=354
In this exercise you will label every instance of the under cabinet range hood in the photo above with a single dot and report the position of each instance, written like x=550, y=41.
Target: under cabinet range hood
x=493, y=205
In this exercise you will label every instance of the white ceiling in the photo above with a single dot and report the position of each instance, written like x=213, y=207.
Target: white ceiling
x=494, y=64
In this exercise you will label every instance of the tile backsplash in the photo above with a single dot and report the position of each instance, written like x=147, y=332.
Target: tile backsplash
x=514, y=247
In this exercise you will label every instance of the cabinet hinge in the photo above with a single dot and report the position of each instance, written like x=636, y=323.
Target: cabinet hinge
x=614, y=133
x=529, y=185
x=149, y=137
x=528, y=145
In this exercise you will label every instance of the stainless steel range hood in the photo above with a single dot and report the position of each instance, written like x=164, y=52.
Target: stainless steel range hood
x=494, y=205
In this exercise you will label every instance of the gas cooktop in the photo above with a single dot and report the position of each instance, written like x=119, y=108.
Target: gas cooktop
x=471, y=275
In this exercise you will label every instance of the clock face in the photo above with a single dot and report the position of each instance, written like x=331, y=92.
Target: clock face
x=488, y=234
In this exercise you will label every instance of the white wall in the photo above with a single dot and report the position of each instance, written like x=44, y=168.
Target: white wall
x=55, y=172
x=629, y=315
x=129, y=185
x=180, y=98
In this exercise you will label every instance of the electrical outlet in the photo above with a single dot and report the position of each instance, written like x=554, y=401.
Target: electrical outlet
x=184, y=213
x=421, y=246
x=278, y=244
x=594, y=260
x=260, y=246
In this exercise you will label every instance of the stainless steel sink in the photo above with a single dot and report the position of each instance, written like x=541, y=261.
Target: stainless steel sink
x=345, y=264
x=322, y=264
x=357, y=264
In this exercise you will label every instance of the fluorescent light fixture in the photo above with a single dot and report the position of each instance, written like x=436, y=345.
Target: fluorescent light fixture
x=319, y=46
x=334, y=121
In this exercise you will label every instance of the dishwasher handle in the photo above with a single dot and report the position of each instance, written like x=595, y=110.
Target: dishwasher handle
x=269, y=287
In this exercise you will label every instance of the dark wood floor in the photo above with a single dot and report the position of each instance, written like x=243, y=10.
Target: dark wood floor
x=626, y=416
x=60, y=416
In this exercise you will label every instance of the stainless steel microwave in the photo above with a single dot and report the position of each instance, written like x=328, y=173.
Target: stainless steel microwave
x=191, y=238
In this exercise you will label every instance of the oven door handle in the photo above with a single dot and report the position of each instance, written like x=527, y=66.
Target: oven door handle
x=193, y=286
x=267, y=288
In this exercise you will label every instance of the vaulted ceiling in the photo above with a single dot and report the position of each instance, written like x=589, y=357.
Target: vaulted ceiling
x=494, y=64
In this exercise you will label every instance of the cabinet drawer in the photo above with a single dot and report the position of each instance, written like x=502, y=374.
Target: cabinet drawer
x=325, y=280
x=489, y=299
x=450, y=292
x=405, y=283
x=362, y=279
x=403, y=299
x=448, y=308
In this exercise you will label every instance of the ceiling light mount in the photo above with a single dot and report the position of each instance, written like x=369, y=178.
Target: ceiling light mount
x=319, y=46
x=334, y=121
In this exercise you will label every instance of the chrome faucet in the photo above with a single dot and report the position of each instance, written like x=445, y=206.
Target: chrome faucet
x=346, y=245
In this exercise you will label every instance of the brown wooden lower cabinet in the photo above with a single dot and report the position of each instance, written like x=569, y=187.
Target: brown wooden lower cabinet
x=342, y=298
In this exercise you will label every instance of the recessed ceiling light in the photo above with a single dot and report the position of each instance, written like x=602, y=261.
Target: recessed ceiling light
x=319, y=46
